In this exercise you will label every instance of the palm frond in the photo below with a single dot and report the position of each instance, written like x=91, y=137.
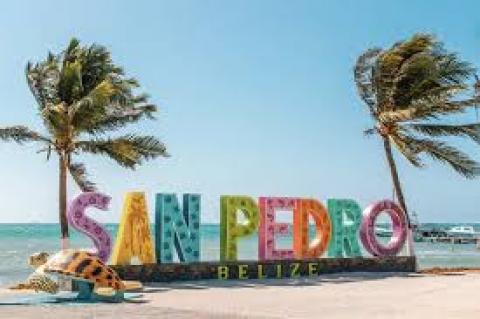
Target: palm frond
x=370, y=131
x=445, y=153
x=431, y=77
x=121, y=118
x=416, y=72
x=70, y=87
x=42, y=79
x=47, y=150
x=72, y=47
x=108, y=100
x=390, y=64
x=92, y=107
x=401, y=142
x=435, y=130
x=363, y=76
x=128, y=151
x=55, y=117
x=425, y=110
x=97, y=66
x=21, y=134
x=79, y=174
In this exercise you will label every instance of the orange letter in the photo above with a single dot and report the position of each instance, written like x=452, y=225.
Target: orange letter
x=301, y=242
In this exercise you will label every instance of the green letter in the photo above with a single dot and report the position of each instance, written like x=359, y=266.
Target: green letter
x=345, y=216
x=230, y=230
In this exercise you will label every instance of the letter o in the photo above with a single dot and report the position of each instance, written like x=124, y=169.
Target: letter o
x=367, y=229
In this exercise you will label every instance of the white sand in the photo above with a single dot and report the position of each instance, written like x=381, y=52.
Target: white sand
x=331, y=296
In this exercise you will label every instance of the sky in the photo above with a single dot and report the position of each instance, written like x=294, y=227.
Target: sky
x=255, y=98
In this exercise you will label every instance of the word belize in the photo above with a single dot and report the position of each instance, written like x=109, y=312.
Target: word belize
x=338, y=228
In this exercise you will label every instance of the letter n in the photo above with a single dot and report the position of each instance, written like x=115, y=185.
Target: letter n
x=177, y=227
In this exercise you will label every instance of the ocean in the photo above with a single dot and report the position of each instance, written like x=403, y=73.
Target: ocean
x=18, y=241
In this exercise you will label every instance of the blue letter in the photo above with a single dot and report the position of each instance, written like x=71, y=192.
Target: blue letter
x=176, y=228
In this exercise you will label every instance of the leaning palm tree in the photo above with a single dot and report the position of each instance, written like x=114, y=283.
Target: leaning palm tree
x=82, y=95
x=409, y=89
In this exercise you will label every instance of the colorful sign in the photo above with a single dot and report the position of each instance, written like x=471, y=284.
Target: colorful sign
x=339, y=229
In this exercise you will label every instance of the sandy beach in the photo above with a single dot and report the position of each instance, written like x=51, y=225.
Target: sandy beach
x=354, y=295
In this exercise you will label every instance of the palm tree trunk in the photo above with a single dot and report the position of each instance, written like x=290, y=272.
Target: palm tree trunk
x=62, y=200
x=395, y=179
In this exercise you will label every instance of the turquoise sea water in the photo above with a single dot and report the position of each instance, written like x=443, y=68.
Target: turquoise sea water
x=18, y=241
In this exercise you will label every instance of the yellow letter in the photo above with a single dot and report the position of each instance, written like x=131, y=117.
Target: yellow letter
x=261, y=274
x=279, y=270
x=133, y=236
x=312, y=268
x=242, y=271
x=222, y=272
x=294, y=272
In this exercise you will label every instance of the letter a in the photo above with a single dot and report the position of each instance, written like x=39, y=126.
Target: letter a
x=133, y=237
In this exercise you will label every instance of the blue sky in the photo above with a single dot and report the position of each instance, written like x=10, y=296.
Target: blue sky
x=256, y=98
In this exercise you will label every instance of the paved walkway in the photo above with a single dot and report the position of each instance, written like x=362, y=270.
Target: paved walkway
x=332, y=296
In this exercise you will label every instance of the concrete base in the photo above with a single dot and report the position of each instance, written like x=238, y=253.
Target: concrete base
x=263, y=269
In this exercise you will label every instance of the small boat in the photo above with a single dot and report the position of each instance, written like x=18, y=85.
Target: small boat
x=462, y=232
x=381, y=231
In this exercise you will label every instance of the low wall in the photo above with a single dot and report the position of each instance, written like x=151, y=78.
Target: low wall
x=262, y=269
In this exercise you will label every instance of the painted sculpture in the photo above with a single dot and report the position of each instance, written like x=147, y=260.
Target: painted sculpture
x=79, y=264
x=268, y=229
x=177, y=227
x=367, y=229
x=38, y=280
x=95, y=231
x=304, y=248
x=230, y=229
x=133, y=236
x=178, y=231
x=84, y=266
x=345, y=216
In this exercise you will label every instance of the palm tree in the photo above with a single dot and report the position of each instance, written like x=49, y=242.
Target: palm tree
x=409, y=89
x=82, y=95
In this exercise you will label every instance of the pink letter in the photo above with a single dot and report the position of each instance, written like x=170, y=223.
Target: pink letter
x=367, y=229
x=268, y=228
x=97, y=233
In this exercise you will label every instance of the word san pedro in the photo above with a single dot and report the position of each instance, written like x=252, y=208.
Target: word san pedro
x=340, y=227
